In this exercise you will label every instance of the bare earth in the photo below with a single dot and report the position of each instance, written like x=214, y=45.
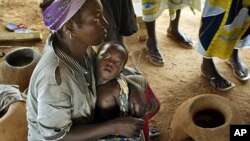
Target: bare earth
x=179, y=80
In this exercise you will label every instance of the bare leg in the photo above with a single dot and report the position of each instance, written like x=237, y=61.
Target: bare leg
x=120, y=39
x=239, y=68
x=210, y=72
x=155, y=54
x=173, y=32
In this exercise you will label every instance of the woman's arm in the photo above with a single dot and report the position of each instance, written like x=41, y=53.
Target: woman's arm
x=55, y=122
x=123, y=126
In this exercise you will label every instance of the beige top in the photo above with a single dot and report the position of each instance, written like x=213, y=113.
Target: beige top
x=52, y=107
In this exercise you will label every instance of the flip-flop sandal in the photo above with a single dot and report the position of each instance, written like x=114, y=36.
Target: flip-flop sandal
x=212, y=81
x=20, y=28
x=154, y=133
x=155, y=59
x=243, y=79
x=182, y=42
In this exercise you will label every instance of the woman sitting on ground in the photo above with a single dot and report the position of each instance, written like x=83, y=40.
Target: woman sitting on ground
x=62, y=91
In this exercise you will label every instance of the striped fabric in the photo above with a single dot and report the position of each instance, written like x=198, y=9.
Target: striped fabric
x=70, y=61
x=55, y=137
x=82, y=72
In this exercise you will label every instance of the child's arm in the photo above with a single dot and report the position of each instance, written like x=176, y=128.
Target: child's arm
x=137, y=102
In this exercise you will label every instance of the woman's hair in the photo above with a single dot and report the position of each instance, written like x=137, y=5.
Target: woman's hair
x=76, y=18
x=45, y=4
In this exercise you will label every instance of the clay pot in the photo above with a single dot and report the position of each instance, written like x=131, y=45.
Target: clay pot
x=13, y=125
x=204, y=117
x=17, y=66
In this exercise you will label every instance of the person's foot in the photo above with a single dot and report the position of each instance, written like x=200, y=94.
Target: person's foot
x=240, y=70
x=209, y=71
x=181, y=38
x=154, y=54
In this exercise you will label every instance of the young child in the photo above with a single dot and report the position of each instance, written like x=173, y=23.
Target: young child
x=112, y=87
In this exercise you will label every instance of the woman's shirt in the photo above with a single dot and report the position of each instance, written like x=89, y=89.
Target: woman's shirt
x=52, y=107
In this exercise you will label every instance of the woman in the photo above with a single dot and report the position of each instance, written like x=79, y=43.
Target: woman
x=62, y=94
x=151, y=10
x=224, y=30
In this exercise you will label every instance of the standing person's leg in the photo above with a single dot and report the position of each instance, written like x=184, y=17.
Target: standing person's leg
x=210, y=72
x=214, y=42
x=121, y=18
x=120, y=39
x=174, y=33
x=240, y=70
x=155, y=55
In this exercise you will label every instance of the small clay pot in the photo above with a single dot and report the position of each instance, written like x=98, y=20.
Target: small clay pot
x=204, y=117
x=16, y=67
x=13, y=125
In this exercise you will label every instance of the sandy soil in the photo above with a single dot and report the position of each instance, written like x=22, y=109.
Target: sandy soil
x=179, y=80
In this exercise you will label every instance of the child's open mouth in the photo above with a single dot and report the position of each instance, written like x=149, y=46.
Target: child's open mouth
x=108, y=69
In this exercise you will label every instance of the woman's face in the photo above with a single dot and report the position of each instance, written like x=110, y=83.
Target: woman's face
x=92, y=29
x=110, y=61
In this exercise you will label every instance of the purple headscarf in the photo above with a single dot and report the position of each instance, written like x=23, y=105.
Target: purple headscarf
x=59, y=12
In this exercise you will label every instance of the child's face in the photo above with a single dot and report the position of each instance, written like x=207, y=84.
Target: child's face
x=110, y=61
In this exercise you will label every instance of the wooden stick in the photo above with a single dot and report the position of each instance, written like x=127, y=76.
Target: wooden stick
x=8, y=47
x=12, y=36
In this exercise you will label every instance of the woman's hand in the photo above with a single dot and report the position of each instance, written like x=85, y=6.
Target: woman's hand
x=122, y=126
x=128, y=126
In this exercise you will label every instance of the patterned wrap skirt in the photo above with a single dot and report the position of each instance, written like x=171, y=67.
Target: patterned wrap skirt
x=224, y=27
x=152, y=9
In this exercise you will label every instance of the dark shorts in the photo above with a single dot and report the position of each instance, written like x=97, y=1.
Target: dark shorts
x=121, y=18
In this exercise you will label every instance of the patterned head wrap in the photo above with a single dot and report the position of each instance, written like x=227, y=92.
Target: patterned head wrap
x=59, y=12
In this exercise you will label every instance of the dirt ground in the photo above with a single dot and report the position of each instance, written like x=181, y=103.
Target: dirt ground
x=179, y=80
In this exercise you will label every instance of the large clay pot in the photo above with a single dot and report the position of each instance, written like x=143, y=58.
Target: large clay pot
x=13, y=125
x=204, y=118
x=17, y=66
